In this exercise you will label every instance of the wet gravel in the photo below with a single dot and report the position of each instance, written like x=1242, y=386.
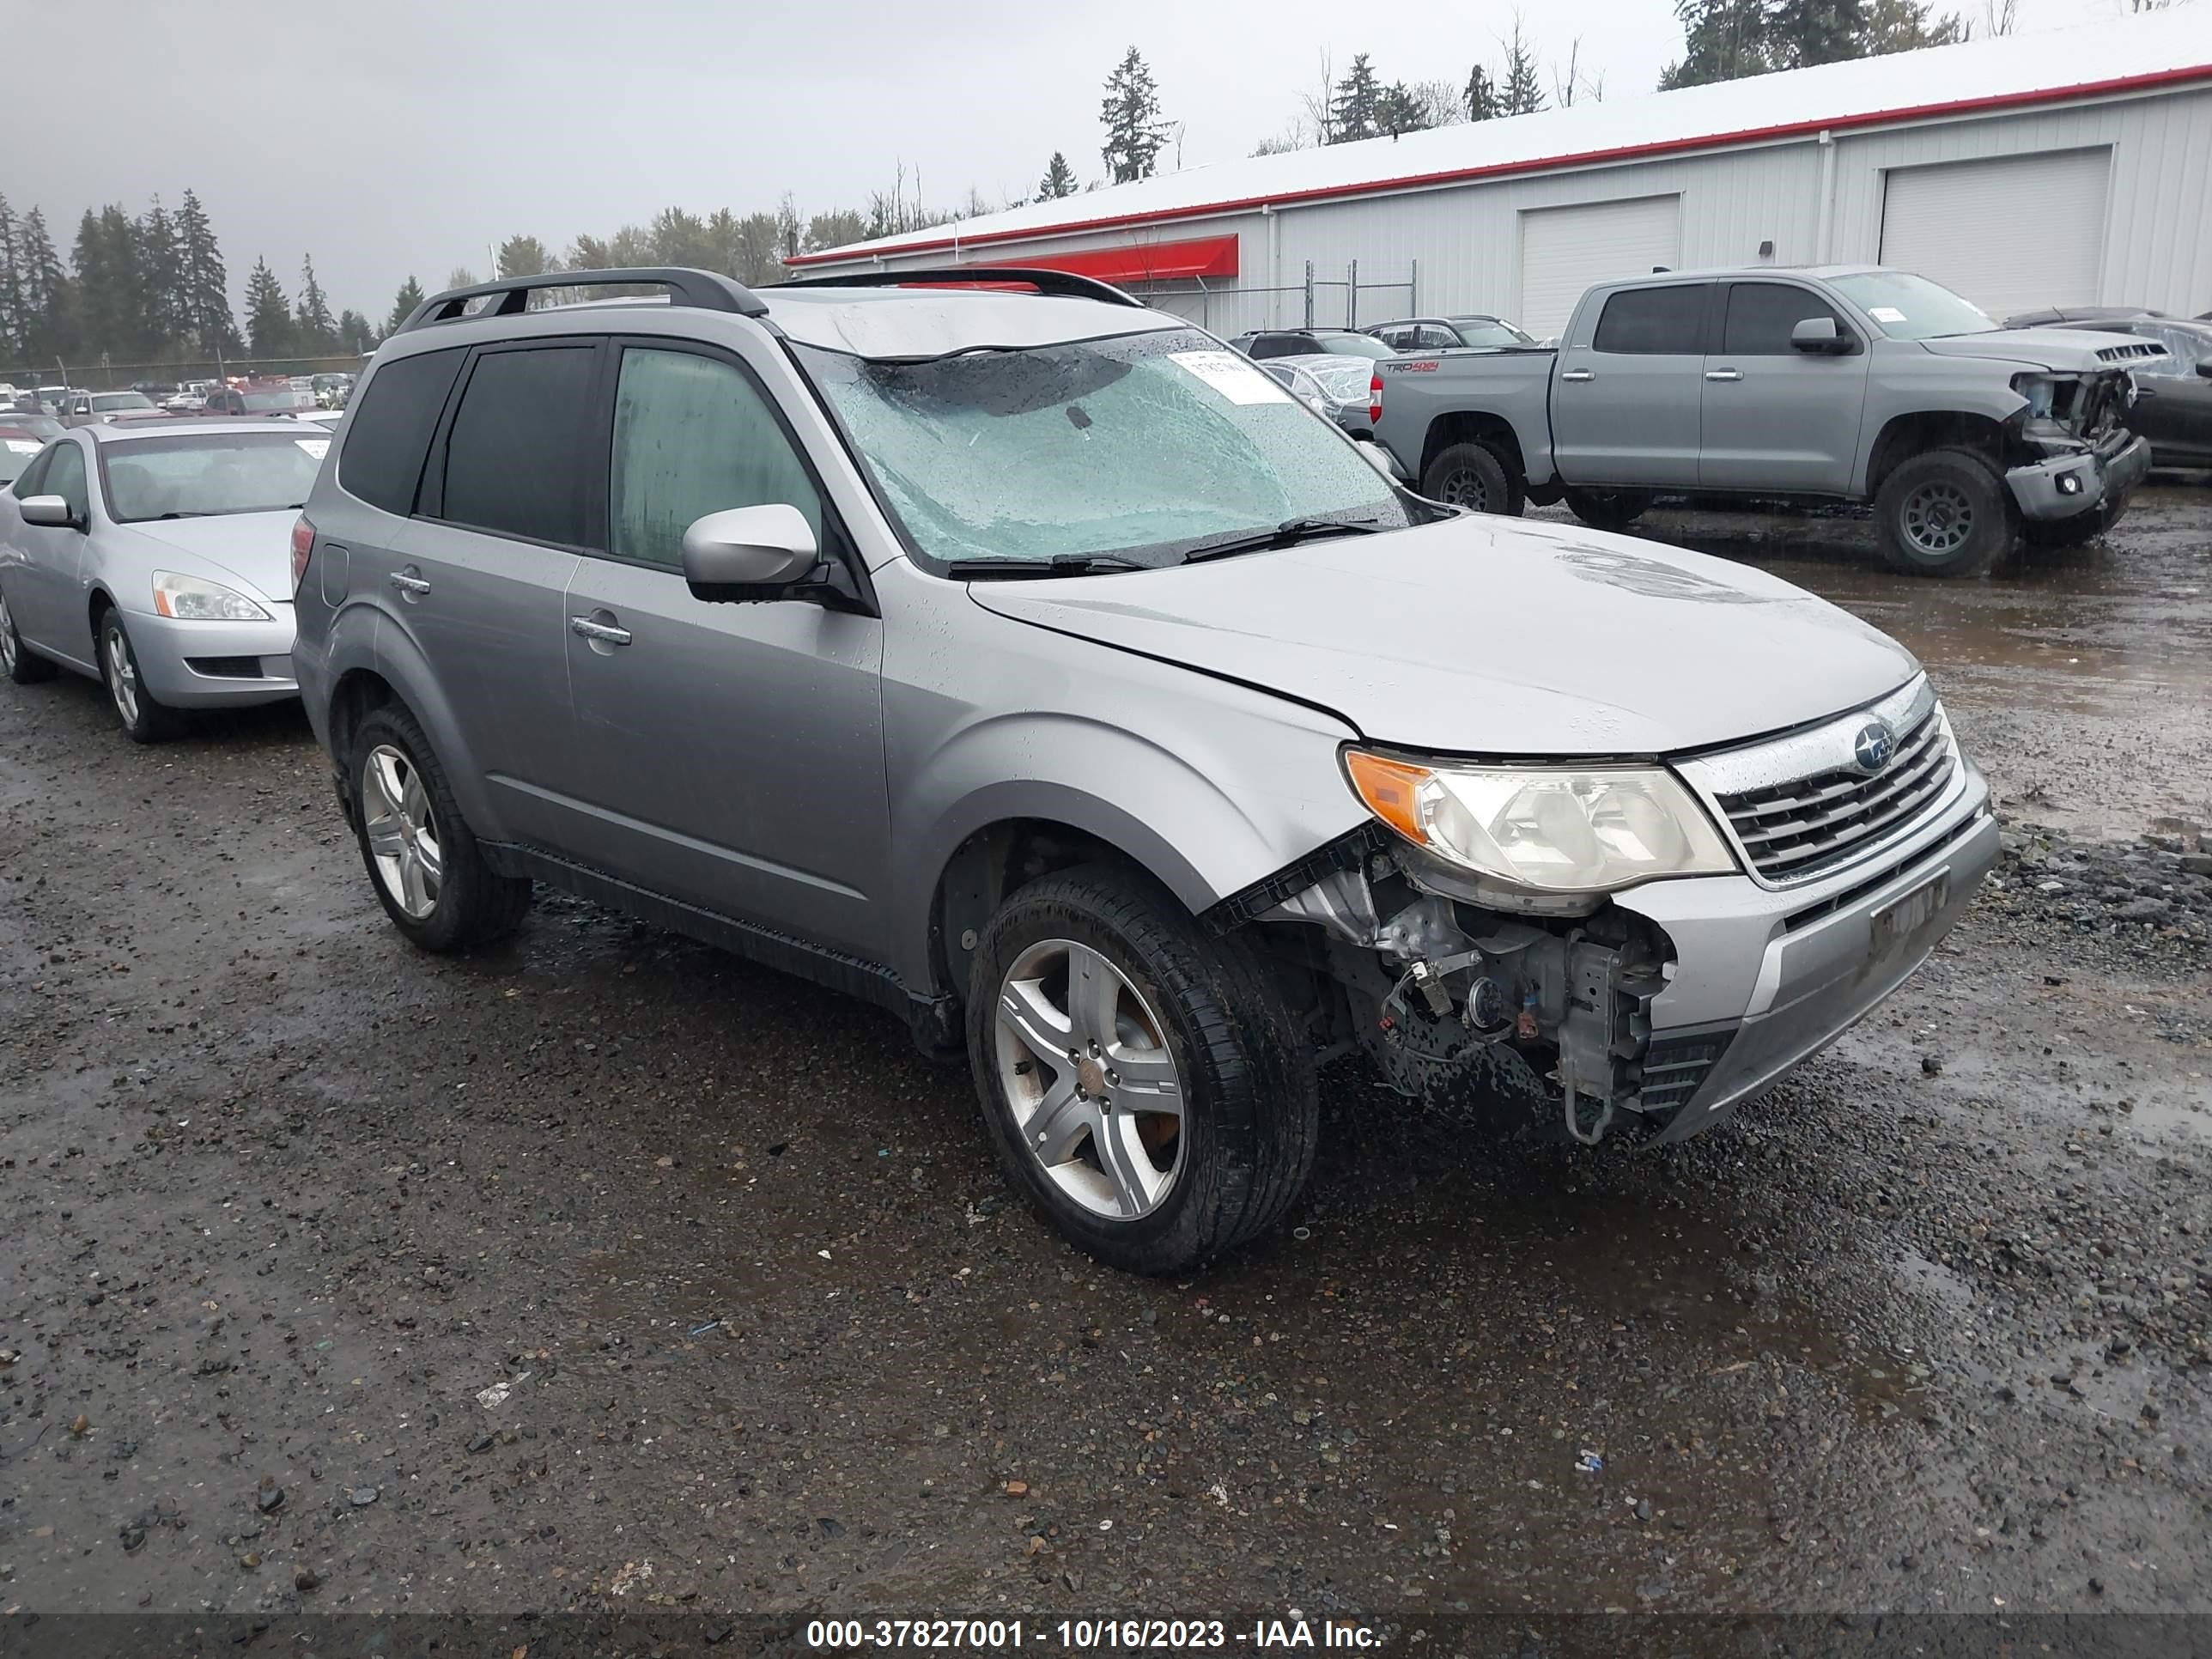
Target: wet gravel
x=604, y=1272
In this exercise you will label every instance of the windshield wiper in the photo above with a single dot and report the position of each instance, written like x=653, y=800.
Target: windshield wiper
x=186, y=515
x=1288, y=533
x=1060, y=564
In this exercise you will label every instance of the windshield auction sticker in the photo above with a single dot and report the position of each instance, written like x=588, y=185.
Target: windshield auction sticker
x=317, y=448
x=1230, y=376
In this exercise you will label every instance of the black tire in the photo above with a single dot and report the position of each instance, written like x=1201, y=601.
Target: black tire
x=1946, y=512
x=2076, y=532
x=1250, y=1101
x=142, y=719
x=474, y=904
x=1608, y=509
x=1476, y=477
x=22, y=665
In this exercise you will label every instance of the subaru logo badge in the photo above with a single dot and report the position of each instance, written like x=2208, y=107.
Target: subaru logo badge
x=1873, y=746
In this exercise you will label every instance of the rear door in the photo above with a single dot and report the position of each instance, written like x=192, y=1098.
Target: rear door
x=727, y=755
x=1775, y=417
x=1628, y=387
x=476, y=579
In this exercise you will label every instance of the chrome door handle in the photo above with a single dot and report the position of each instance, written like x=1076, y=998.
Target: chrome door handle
x=602, y=633
x=1724, y=375
x=1579, y=374
x=407, y=584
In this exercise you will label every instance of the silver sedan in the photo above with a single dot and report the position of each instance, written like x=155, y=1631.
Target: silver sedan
x=156, y=558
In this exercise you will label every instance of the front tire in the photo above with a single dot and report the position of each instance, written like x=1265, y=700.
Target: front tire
x=1147, y=1088
x=143, y=719
x=22, y=665
x=1945, y=513
x=428, y=872
x=1475, y=477
x=1608, y=509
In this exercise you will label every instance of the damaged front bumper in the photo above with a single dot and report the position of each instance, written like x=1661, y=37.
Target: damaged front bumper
x=2066, y=485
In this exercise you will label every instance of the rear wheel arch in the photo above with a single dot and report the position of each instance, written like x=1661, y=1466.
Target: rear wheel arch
x=358, y=694
x=1494, y=431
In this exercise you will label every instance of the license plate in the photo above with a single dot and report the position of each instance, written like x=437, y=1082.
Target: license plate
x=1901, y=918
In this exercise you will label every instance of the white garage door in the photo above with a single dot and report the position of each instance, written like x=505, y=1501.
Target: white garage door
x=1564, y=249
x=2011, y=235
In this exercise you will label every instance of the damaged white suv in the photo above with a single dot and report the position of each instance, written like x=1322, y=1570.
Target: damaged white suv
x=986, y=645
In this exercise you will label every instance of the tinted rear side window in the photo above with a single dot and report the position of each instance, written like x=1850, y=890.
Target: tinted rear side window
x=515, y=455
x=389, y=426
x=1666, y=321
x=1760, y=316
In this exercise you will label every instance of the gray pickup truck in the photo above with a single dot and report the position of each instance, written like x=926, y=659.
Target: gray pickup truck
x=1842, y=383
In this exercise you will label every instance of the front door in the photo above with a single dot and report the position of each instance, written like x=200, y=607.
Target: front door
x=1776, y=418
x=729, y=756
x=1625, y=402
x=43, y=593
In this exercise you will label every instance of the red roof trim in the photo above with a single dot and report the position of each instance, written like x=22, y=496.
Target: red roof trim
x=1621, y=153
x=1142, y=262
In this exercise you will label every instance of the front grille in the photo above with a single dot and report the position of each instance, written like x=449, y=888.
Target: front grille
x=1794, y=830
x=1674, y=1069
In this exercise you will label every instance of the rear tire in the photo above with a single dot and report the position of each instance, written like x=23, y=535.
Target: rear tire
x=424, y=863
x=1475, y=477
x=1189, y=1127
x=142, y=719
x=1608, y=509
x=1946, y=512
x=2076, y=532
x=22, y=665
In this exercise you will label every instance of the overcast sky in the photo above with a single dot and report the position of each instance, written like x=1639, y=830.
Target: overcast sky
x=388, y=137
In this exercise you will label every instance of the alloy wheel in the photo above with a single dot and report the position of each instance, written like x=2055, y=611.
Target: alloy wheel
x=7, y=637
x=1466, y=488
x=1083, y=1064
x=1938, y=518
x=122, y=675
x=403, y=831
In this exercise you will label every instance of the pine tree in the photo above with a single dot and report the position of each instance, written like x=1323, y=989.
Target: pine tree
x=162, y=282
x=1524, y=83
x=1398, y=109
x=1482, y=95
x=356, y=333
x=1351, y=111
x=524, y=256
x=1906, y=25
x=1135, y=134
x=13, y=321
x=1802, y=32
x=268, y=314
x=1059, y=179
x=206, y=283
x=49, y=296
x=316, y=331
x=114, y=308
x=403, y=304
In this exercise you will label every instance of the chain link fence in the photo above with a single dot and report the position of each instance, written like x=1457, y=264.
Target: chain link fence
x=105, y=376
x=1317, y=302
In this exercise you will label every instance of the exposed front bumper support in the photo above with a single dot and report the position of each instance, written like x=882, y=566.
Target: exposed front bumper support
x=2067, y=485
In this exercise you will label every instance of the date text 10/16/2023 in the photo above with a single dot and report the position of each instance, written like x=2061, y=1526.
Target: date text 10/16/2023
x=1091, y=1635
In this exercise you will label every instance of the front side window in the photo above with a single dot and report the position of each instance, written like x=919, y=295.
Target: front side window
x=1139, y=446
x=692, y=436
x=211, y=475
x=515, y=453
x=1654, y=321
x=1761, y=316
x=65, y=478
x=1908, y=307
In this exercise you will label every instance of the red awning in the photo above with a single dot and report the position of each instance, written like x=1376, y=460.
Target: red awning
x=1142, y=262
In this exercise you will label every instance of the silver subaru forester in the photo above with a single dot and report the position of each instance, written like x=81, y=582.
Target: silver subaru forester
x=987, y=646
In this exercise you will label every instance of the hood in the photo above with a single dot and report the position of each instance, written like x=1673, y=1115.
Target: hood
x=1493, y=636
x=249, y=551
x=2064, y=350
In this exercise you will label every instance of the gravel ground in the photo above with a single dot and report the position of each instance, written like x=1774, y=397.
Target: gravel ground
x=604, y=1272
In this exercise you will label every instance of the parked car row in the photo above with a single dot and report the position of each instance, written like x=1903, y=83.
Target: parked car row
x=1086, y=700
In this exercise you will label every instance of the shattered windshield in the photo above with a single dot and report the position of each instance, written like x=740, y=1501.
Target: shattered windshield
x=1139, y=446
x=1908, y=307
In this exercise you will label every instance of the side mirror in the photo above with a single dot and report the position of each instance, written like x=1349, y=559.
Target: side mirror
x=1818, y=335
x=1381, y=459
x=50, y=511
x=748, y=552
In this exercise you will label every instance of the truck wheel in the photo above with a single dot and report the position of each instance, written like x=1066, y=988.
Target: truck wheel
x=1608, y=509
x=1945, y=513
x=425, y=865
x=1146, y=1086
x=2082, y=528
x=1473, y=476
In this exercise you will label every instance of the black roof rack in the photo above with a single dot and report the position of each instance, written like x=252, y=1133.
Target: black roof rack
x=706, y=290
x=1064, y=283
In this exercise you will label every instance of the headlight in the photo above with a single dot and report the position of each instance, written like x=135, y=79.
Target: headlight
x=1550, y=829
x=194, y=598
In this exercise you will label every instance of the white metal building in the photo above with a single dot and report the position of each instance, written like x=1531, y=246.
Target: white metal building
x=2073, y=166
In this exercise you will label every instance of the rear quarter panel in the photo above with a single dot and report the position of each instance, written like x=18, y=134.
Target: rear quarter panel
x=1421, y=390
